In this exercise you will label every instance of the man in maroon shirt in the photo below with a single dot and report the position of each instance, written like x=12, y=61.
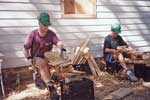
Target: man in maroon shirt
x=37, y=43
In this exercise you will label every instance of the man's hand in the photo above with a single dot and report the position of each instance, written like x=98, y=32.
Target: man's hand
x=115, y=51
x=63, y=50
x=63, y=53
x=30, y=59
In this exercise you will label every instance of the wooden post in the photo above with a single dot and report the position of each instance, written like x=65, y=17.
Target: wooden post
x=1, y=78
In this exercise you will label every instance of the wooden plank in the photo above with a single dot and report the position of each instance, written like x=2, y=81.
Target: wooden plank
x=60, y=63
x=75, y=29
x=15, y=23
x=122, y=92
x=136, y=32
x=84, y=54
x=94, y=40
x=121, y=8
x=27, y=30
x=139, y=43
x=82, y=47
x=99, y=40
x=11, y=47
x=94, y=44
x=34, y=7
x=31, y=1
x=98, y=21
x=122, y=15
x=98, y=28
x=13, y=63
x=18, y=62
x=26, y=15
x=12, y=39
x=97, y=53
x=72, y=22
x=13, y=52
x=123, y=3
x=19, y=30
x=119, y=94
x=92, y=68
x=136, y=38
x=1, y=77
x=97, y=69
x=1, y=55
x=144, y=49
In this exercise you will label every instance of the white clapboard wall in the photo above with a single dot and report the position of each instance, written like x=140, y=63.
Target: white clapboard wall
x=18, y=18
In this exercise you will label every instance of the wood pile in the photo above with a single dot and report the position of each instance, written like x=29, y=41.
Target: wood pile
x=79, y=56
x=135, y=56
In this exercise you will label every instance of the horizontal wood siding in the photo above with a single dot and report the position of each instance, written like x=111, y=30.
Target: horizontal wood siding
x=18, y=18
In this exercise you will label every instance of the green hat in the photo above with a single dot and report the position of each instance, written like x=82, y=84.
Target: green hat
x=44, y=19
x=116, y=28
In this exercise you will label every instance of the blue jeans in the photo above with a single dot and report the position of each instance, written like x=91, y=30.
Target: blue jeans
x=111, y=62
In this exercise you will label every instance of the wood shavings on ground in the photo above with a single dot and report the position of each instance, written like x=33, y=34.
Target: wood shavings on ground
x=104, y=86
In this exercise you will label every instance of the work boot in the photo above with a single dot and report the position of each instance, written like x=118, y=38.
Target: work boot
x=39, y=83
x=53, y=92
x=57, y=77
x=131, y=76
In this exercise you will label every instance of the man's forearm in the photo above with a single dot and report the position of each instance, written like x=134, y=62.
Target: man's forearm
x=124, y=46
x=110, y=50
x=60, y=45
x=26, y=53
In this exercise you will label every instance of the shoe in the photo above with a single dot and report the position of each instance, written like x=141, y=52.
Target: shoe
x=57, y=78
x=53, y=93
x=131, y=76
x=39, y=83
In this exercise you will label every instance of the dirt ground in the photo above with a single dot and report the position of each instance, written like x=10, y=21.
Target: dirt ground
x=104, y=85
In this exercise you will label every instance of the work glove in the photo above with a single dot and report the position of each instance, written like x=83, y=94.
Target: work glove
x=63, y=54
x=30, y=59
x=63, y=50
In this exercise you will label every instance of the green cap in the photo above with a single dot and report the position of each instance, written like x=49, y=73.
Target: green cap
x=116, y=28
x=44, y=19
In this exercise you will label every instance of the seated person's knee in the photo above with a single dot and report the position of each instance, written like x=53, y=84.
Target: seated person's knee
x=40, y=63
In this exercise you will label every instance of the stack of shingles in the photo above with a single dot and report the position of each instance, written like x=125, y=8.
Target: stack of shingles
x=81, y=55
